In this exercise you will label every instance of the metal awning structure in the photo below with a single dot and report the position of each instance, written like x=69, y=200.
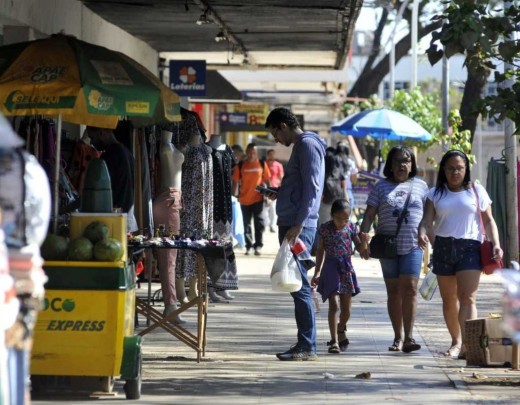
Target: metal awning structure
x=219, y=90
x=249, y=34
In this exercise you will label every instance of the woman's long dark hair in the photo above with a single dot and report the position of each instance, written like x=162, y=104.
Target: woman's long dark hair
x=441, y=176
x=405, y=150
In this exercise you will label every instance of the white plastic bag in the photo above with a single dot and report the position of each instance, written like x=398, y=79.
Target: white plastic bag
x=428, y=286
x=285, y=275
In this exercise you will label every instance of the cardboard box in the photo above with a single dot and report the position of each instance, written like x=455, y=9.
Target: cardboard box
x=487, y=344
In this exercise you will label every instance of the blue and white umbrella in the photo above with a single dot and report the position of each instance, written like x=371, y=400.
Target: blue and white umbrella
x=382, y=124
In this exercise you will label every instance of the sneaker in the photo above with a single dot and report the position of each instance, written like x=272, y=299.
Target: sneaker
x=247, y=251
x=296, y=353
x=258, y=251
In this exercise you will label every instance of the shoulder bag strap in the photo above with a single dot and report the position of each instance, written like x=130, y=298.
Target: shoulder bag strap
x=403, y=212
x=482, y=229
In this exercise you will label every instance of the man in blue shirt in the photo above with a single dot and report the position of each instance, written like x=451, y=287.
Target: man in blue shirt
x=297, y=205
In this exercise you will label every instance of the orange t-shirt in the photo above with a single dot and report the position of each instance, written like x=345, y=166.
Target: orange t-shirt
x=251, y=175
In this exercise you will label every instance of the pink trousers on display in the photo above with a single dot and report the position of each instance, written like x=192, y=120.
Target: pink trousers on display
x=166, y=207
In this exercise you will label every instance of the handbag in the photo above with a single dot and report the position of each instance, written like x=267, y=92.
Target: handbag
x=489, y=262
x=385, y=246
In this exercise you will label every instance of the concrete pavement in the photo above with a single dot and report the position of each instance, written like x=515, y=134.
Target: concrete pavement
x=243, y=335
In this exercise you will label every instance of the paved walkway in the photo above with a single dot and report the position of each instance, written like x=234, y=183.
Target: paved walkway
x=243, y=336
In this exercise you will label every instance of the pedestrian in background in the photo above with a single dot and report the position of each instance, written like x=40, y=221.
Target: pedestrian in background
x=334, y=274
x=247, y=175
x=298, y=201
x=387, y=200
x=276, y=170
x=350, y=170
x=451, y=222
x=238, y=152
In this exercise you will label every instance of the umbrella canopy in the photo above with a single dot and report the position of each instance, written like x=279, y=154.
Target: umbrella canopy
x=382, y=124
x=85, y=83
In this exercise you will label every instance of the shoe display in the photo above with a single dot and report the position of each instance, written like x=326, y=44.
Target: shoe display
x=258, y=251
x=224, y=294
x=297, y=353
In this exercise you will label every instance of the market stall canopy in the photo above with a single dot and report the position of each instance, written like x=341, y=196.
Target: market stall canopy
x=82, y=82
x=231, y=34
x=382, y=124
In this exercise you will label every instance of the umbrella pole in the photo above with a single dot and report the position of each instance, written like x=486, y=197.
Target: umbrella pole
x=56, y=188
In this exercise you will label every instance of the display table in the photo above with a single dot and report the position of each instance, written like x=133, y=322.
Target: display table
x=211, y=262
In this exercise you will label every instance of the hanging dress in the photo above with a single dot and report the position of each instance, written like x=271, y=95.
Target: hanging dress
x=223, y=162
x=197, y=195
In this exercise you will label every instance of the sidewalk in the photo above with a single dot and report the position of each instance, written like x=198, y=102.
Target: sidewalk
x=240, y=366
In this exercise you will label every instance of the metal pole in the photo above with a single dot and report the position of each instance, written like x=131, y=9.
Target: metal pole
x=510, y=142
x=445, y=93
x=56, y=185
x=415, y=17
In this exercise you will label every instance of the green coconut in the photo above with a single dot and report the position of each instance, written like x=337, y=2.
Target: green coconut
x=108, y=250
x=80, y=249
x=55, y=247
x=95, y=231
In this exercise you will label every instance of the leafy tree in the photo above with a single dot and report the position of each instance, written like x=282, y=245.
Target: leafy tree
x=486, y=35
x=377, y=65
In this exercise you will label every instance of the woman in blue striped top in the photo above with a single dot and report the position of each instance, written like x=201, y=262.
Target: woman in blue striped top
x=401, y=274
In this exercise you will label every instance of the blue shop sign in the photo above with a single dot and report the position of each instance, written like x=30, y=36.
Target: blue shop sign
x=188, y=77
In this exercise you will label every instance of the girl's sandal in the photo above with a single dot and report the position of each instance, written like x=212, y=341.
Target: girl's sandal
x=333, y=347
x=343, y=340
x=396, y=346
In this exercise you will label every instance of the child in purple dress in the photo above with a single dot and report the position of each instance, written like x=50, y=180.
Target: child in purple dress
x=334, y=274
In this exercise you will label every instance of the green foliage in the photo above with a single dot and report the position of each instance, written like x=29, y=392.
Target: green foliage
x=486, y=36
x=456, y=139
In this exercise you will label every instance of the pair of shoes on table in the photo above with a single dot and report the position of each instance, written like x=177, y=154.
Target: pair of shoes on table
x=453, y=352
x=333, y=347
x=258, y=251
x=396, y=346
x=297, y=353
x=343, y=341
x=410, y=345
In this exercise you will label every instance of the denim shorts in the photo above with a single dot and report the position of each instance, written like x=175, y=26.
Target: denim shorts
x=403, y=265
x=451, y=255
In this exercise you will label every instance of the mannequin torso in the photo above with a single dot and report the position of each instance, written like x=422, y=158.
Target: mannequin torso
x=216, y=142
x=171, y=163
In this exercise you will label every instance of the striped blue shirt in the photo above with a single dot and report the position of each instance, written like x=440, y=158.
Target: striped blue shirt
x=389, y=198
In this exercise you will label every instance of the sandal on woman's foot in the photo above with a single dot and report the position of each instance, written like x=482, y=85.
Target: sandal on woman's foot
x=453, y=352
x=333, y=347
x=410, y=345
x=343, y=340
x=396, y=346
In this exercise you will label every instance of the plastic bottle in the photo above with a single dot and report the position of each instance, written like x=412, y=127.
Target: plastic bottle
x=315, y=299
x=302, y=254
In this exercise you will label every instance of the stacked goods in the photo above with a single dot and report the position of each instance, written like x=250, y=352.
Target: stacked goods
x=94, y=244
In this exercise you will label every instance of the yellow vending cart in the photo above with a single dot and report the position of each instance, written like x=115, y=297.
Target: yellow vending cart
x=86, y=327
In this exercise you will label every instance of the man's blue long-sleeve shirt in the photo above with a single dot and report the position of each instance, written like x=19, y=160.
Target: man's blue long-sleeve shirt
x=299, y=196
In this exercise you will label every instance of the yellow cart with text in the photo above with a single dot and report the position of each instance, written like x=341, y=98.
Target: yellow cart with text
x=86, y=326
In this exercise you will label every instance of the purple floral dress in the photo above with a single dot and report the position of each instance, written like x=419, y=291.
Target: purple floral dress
x=337, y=273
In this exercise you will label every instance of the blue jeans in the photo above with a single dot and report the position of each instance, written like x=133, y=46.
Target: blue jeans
x=303, y=309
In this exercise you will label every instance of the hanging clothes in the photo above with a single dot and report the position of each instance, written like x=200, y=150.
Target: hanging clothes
x=81, y=156
x=223, y=163
x=496, y=188
x=197, y=215
x=143, y=198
